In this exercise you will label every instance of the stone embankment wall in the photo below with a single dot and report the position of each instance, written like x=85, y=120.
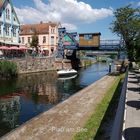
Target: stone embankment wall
x=86, y=62
x=30, y=65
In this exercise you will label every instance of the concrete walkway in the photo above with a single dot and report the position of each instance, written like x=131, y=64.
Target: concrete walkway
x=67, y=118
x=132, y=113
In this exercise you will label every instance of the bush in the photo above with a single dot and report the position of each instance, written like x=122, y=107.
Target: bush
x=139, y=65
x=8, y=69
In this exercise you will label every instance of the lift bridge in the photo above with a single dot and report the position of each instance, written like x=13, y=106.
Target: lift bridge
x=68, y=44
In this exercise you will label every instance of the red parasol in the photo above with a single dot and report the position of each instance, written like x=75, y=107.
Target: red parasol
x=14, y=48
x=23, y=48
x=4, y=48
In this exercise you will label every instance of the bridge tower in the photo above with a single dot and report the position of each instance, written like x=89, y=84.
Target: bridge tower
x=61, y=32
x=67, y=43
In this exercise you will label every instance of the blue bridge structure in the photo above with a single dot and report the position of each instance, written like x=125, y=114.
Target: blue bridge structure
x=68, y=44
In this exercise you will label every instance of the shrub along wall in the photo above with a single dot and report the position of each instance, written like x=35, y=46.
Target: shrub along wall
x=8, y=69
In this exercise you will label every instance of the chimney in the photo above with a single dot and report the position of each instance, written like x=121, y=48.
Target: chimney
x=41, y=22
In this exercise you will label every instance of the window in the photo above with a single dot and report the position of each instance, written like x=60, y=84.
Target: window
x=22, y=39
x=52, y=49
x=29, y=39
x=14, y=32
x=14, y=19
x=7, y=30
x=0, y=30
x=7, y=14
x=52, y=40
x=44, y=39
x=88, y=37
x=52, y=31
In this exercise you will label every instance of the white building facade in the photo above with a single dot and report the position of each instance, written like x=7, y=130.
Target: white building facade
x=9, y=24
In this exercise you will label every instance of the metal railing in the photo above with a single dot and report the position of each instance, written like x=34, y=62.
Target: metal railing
x=118, y=123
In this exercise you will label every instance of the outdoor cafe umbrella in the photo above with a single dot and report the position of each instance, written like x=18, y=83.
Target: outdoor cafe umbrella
x=14, y=48
x=22, y=48
x=4, y=48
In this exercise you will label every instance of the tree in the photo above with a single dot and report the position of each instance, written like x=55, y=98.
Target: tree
x=127, y=26
x=34, y=42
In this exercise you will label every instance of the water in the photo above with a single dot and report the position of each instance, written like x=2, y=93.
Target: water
x=23, y=98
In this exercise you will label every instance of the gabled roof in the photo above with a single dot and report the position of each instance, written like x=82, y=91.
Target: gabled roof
x=42, y=28
x=2, y=4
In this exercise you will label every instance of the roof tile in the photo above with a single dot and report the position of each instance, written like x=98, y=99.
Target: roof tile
x=42, y=28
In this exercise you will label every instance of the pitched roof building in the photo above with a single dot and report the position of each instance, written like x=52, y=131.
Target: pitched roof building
x=47, y=34
x=9, y=24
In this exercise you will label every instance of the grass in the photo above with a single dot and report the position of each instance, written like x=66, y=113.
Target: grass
x=94, y=122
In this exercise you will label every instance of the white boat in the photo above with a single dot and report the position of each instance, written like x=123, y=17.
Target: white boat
x=66, y=72
x=67, y=77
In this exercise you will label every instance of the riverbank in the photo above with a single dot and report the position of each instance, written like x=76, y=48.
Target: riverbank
x=100, y=122
x=67, y=118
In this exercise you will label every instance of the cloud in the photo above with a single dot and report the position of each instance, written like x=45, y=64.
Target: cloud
x=69, y=26
x=138, y=3
x=69, y=12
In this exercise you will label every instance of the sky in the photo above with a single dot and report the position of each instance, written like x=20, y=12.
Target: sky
x=82, y=16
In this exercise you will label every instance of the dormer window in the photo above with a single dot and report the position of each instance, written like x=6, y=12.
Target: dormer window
x=7, y=13
x=31, y=31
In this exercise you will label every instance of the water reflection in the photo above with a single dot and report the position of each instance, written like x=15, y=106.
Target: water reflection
x=41, y=88
x=9, y=113
x=23, y=98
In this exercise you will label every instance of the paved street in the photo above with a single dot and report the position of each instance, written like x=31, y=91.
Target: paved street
x=132, y=114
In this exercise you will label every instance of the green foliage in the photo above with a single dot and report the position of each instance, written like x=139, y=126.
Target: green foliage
x=82, y=54
x=34, y=42
x=127, y=26
x=138, y=64
x=113, y=56
x=8, y=69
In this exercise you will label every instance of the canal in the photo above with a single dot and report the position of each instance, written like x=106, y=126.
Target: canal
x=29, y=95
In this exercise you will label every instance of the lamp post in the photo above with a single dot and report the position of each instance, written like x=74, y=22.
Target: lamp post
x=110, y=67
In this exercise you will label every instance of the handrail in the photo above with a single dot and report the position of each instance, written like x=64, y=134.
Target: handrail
x=118, y=123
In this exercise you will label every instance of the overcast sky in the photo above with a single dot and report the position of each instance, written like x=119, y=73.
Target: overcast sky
x=75, y=15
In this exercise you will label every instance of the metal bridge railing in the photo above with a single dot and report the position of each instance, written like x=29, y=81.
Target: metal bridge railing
x=106, y=42
x=118, y=123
